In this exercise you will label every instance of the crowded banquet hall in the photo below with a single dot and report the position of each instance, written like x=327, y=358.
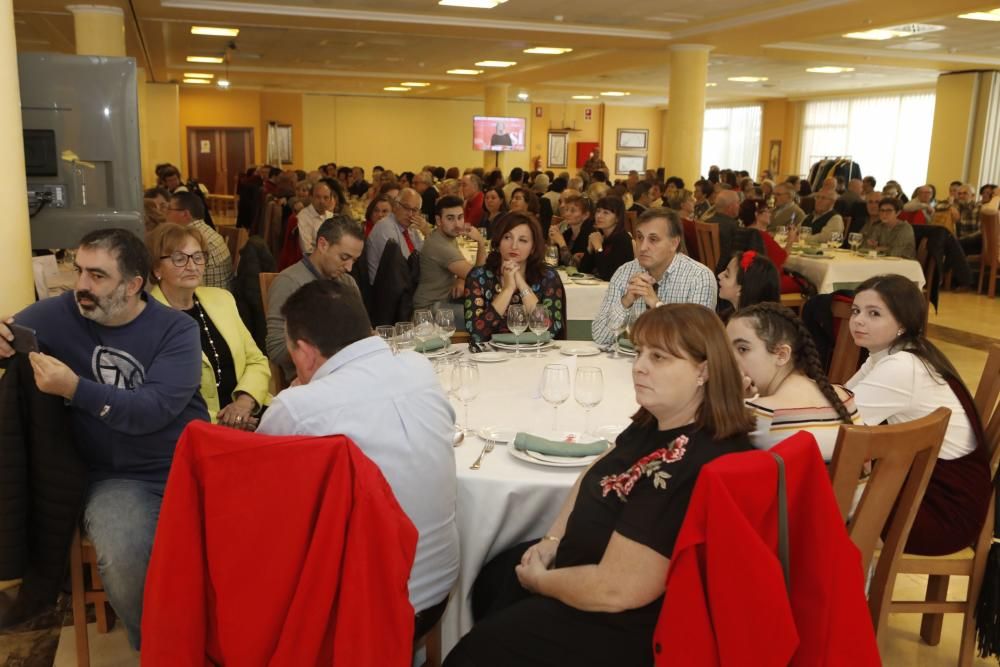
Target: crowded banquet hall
x=494, y=333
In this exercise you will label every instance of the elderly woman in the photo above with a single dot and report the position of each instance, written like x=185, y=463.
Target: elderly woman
x=589, y=592
x=514, y=273
x=609, y=246
x=235, y=373
x=379, y=208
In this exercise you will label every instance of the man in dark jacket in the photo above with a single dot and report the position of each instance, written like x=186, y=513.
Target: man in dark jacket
x=733, y=237
x=130, y=370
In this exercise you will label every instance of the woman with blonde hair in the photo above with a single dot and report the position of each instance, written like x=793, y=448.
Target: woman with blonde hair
x=235, y=373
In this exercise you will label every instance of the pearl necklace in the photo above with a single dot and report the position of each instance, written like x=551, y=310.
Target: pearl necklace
x=217, y=366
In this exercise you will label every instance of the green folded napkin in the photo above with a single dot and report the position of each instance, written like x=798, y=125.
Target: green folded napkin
x=812, y=251
x=625, y=344
x=527, y=338
x=570, y=270
x=534, y=443
x=430, y=345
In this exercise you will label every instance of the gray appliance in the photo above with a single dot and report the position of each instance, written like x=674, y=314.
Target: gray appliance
x=81, y=143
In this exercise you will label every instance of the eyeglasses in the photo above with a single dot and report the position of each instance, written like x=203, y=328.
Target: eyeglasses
x=888, y=209
x=170, y=208
x=408, y=209
x=180, y=259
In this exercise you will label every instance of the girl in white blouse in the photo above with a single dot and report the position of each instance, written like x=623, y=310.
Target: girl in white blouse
x=905, y=378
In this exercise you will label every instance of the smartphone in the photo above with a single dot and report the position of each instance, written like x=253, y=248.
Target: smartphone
x=25, y=339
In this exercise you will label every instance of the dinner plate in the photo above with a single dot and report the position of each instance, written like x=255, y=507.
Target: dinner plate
x=490, y=357
x=497, y=434
x=587, y=281
x=442, y=352
x=522, y=346
x=559, y=461
x=579, y=350
x=627, y=352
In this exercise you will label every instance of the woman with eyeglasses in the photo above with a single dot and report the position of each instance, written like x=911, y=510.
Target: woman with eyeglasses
x=235, y=373
x=890, y=234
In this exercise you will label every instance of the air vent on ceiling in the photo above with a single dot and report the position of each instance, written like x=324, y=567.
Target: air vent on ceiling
x=910, y=29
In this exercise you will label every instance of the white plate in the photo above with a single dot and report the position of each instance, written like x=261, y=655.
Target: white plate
x=587, y=281
x=442, y=352
x=497, y=434
x=522, y=346
x=579, y=350
x=552, y=461
x=891, y=258
x=627, y=352
x=490, y=357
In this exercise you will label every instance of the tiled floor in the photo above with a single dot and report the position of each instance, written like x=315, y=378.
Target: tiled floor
x=959, y=316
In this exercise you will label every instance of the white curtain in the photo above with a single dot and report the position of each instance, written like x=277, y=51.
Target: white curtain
x=888, y=136
x=731, y=138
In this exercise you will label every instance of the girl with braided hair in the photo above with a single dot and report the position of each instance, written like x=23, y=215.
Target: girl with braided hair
x=777, y=355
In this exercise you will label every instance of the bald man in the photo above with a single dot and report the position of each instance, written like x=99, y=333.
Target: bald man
x=399, y=226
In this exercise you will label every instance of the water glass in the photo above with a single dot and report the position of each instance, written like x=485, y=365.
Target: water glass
x=517, y=322
x=552, y=255
x=424, y=328
x=588, y=390
x=781, y=235
x=404, y=335
x=804, y=236
x=836, y=239
x=444, y=369
x=555, y=388
x=624, y=328
x=538, y=322
x=854, y=239
x=388, y=334
x=465, y=386
x=445, y=320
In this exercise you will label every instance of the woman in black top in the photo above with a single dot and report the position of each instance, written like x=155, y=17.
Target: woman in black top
x=609, y=246
x=589, y=592
x=494, y=208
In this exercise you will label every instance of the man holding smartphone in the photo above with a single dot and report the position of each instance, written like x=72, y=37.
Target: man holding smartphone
x=130, y=369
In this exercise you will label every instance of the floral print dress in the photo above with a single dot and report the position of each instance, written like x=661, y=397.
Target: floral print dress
x=482, y=320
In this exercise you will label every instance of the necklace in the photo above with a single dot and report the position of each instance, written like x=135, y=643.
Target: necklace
x=217, y=366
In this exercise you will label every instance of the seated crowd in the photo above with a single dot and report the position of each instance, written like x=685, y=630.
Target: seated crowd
x=151, y=338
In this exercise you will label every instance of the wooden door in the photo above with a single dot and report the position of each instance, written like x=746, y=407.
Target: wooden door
x=218, y=155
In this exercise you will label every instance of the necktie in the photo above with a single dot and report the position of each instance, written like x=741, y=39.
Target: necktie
x=409, y=241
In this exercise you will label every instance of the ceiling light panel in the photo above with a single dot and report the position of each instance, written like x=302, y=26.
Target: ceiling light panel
x=415, y=84
x=197, y=81
x=198, y=75
x=747, y=79
x=583, y=97
x=871, y=35
x=472, y=4
x=465, y=72
x=829, y=69
x=547, y=50
x=613, y=93
x=214, y=60
x=992, y=15
x=396, y=89
x=212, y=31
x=495, y=63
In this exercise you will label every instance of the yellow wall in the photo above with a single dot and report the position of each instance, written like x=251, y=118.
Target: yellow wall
x=632, y=118
x=159, y=110
x=285, y=109
x=319, y=131
x=220, y=108
x=774, y=122
x=557, y=116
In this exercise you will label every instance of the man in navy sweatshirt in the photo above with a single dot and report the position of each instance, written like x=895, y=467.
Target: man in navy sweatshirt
x=130, y=369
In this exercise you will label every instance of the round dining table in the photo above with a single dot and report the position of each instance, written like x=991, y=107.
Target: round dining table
x=843, y=269
x=509, y=500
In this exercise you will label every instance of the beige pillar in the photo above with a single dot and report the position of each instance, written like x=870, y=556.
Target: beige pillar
x=686, y=110
x=15, y=252
x=99, y=29
x=964, y=144
x=495, y=104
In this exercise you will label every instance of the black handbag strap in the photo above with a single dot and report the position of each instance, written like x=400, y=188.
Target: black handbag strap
x=782, y=519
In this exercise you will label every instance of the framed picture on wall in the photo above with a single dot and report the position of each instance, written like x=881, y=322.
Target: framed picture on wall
x=633, y=140
x=626, y=163
x=558, y=149
x=774, y=157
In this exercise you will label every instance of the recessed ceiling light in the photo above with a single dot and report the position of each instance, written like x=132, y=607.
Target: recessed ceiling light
x=415, y=84
x=214, y=32
x=205, y=59
x=197, y=81
x=992, y=15
x=829, y=69
x=614, y=93
x=469, y=72
x=583, y=97
x=872, y=35
x=747, y=79
x=223, y=83
x=547, y=50
x=711, y=84
x=523, y=96
x=474, y=4
x=396, y=89
x=495, y=63
x=914, y=45
x=198, y=75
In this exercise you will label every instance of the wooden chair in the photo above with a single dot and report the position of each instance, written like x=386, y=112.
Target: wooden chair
x=630, y=218
x=460, y=337
x=969, y=562
x=844, y=363
x=989, y=258
x=708, y=243
x=904, y=456
x=793, y=301
x=235, y=238
x=930, y=267
x=83, y=556
x=278, y=381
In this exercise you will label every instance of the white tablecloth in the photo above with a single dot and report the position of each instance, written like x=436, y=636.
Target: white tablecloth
x=846, y=270
x=582, y=301
x=508, y=501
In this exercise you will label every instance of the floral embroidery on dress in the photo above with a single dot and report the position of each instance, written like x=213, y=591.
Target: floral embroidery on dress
x=647, y=466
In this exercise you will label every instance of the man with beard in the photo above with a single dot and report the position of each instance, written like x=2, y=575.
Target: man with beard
x=129, y=368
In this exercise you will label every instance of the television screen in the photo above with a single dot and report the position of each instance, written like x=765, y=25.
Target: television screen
x=497, y=133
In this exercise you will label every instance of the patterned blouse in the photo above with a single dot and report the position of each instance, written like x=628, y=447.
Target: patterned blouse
x=482, y=320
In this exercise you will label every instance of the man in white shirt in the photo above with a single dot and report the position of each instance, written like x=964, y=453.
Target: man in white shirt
x=658, y=275
x=312, y=216
x=392, y=407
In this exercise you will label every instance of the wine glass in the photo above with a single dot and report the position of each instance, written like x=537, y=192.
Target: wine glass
x=804, y=236
x=444, y=368
x=555, y=388
x=517, y=322
x=423, y=329
x=854, y=240
x=388, y=334
x=624, y=328
x=445, y=320
x=781, y=235
x=588, y=390
x=836, y=239
x=538, y=322
x=465, y=386
x=404, y=335
x=552, y=255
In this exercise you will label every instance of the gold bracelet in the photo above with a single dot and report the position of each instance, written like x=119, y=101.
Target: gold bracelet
x=551, y=537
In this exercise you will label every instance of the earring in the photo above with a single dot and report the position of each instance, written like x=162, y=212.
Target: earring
x=900, y=332
x=701, y=381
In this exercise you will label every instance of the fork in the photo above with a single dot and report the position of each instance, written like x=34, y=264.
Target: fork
x=487, y=448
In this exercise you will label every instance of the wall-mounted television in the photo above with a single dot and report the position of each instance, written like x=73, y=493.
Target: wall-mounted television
x=498, y=133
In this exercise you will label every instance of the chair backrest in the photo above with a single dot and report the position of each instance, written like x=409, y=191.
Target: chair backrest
x=943, y=219
x=903, y=457
x=265, y=286
x=630, y=218
x=844, y=361
x=930, y=268
x=989, y=223
x=236, y=238
x=986, y=402
x=708, y=243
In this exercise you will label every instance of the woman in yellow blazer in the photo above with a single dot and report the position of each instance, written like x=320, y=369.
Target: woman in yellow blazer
x=235, y=373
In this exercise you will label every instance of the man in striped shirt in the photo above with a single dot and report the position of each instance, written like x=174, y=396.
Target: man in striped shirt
x=658, y=275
